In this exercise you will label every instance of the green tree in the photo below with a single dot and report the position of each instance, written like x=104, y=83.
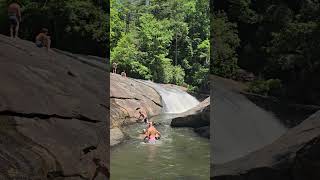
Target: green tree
x=224, y=43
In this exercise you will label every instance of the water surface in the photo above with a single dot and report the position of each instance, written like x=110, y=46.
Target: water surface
x=180, y=154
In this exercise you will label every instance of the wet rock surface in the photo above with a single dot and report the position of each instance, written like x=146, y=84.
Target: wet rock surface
x=52, y=109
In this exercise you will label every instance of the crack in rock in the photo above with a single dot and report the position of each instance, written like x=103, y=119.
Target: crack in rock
x=114, y=97
x=47, y=116
x=58, y=174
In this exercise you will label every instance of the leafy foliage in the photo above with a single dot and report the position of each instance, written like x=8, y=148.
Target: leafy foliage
x=279, y=40
x=225, y=41
x=78, y=26
x=165, y=39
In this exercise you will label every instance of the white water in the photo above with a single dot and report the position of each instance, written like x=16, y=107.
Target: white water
x=174, y=100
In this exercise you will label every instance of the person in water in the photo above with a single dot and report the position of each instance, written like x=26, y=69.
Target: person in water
x=14, y=15
x=43, y=40
x=152, y=133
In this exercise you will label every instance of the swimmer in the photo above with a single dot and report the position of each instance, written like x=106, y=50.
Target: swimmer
x=152, y=134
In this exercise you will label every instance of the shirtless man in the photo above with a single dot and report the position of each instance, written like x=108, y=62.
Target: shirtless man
x=114, y=67
x=152, y=134
x=43, y=40
x=14, y=14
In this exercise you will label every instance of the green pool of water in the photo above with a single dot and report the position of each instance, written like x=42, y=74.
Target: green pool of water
x=179, y=155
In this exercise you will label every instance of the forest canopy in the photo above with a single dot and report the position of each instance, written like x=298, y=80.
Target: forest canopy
x=277, y=40
x=166, y=41
x=79, y=26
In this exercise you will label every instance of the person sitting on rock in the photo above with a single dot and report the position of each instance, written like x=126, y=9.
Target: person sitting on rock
x=123, y=74
x=14, y=14
x=43, y=40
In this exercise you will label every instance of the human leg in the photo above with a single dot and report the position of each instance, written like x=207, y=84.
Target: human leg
x=17, y=30
x=11, y=31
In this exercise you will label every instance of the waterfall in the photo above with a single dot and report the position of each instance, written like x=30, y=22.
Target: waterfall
x=174, y=99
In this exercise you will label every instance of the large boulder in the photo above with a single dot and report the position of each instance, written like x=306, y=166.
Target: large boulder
x=294, y=156
x=126, y=96
x=197, y=118
x=53, y=113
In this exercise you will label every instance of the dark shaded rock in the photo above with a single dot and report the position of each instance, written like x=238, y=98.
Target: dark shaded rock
x=290, y=114
x=196, y=117
x=294, y=156
x=51, y=108
x=203, y=131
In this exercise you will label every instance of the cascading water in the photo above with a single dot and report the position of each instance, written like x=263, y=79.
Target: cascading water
x=174, y=100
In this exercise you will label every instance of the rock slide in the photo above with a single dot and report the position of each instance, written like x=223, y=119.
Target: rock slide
x=249, y=144
x=53, y=114
x=126, y=95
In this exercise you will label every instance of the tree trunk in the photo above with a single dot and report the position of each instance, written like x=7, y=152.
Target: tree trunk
x=176, y=51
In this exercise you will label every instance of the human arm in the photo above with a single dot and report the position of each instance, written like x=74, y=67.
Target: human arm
x=39, y=37
x=95, y=175
x=159, y=134
x=147, y=134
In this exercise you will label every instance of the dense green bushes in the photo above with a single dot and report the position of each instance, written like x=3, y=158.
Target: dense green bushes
x=166, y=40
x=270, y=87
x=279, y=39
x=78, y=26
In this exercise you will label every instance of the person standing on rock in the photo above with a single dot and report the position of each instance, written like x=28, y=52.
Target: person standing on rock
x=14, y=15
x=114, y=67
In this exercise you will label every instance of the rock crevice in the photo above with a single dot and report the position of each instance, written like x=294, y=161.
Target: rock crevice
x=46, y=116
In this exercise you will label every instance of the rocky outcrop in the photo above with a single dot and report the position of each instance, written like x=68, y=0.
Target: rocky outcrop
x=294, y=156
x=126, y=95
x=197, y=118
x=53, y=114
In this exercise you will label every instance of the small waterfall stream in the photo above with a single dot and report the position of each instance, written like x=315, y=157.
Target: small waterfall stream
x=174, y=100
